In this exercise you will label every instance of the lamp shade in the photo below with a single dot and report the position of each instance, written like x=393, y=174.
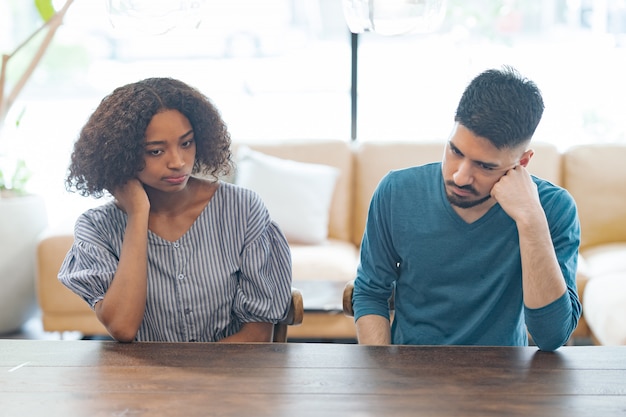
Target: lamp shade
x=394, y=17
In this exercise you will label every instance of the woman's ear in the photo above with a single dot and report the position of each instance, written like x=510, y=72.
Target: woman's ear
x=526, y=157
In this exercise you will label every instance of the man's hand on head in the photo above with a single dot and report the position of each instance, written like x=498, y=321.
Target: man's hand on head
x=516, y=192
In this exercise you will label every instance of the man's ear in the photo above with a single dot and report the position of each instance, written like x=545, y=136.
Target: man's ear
x=526, y=157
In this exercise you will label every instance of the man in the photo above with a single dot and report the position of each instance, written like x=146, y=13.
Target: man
x=475, y=249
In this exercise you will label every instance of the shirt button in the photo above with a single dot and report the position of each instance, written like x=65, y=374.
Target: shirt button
x=181, y=276
x=176, y=244
x=187, y=311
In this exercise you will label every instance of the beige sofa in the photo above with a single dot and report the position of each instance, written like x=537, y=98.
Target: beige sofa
x=595, y=175
x=590, y=172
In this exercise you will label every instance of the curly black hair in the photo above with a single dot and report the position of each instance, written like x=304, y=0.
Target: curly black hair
x=501, y=106
x=110, y=148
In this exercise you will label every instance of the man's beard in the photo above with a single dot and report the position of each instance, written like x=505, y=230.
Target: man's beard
x=461, y=202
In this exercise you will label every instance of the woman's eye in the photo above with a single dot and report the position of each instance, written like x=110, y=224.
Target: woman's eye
x=155, y=152
x=187, y=143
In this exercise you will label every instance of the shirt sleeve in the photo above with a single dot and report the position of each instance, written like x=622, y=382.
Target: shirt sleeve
x=551, y=326
x=90, y=264
x=264, y=288
x=378, y=266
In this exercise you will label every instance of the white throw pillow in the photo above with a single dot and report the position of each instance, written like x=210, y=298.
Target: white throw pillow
x=297, y=194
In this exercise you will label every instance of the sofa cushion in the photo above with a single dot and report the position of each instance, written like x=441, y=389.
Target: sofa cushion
x=546, y=162
x=595, y=175
x=605, y=259
x=605, y=308
x=604, y=305
x=297, y=194
x=334, y=260
x=334, y=153
x=604, y=300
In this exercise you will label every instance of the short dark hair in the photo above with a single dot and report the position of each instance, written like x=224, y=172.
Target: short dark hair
x=501, y=106
x=110, y=148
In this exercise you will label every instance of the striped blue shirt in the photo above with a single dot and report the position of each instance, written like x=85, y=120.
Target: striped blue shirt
x=231, y=267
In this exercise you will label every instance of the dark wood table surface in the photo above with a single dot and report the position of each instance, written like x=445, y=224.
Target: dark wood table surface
x=104, y=378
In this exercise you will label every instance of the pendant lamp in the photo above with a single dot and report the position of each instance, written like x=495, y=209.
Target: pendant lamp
x=394, y=17
x=153, y=17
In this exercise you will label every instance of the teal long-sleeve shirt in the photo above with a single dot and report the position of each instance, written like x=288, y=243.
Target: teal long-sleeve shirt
x=458, y=283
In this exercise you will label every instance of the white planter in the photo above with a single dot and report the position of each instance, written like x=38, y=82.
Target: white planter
x=22, y=220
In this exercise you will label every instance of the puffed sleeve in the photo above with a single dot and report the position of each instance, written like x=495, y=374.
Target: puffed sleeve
x=264, y=287
x=91, y=262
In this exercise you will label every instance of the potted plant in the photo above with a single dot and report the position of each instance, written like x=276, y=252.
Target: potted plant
x=23, y=215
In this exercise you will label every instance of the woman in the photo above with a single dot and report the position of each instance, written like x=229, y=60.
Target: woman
x=177, y=255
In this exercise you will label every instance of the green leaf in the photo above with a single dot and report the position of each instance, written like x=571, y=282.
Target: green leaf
x=45, y=9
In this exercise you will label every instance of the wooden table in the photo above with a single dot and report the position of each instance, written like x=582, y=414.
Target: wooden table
x=103, y=378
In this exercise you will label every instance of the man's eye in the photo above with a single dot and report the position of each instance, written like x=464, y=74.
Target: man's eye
x=486, y=167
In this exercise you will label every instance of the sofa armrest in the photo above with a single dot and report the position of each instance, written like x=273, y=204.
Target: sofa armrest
x=61, y=309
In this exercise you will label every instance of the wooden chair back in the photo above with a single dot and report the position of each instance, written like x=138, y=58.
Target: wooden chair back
x=347, y=299
x=348, y=290
x=294, y=317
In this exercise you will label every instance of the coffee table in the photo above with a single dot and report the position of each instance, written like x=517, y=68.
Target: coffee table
x=324, y=320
